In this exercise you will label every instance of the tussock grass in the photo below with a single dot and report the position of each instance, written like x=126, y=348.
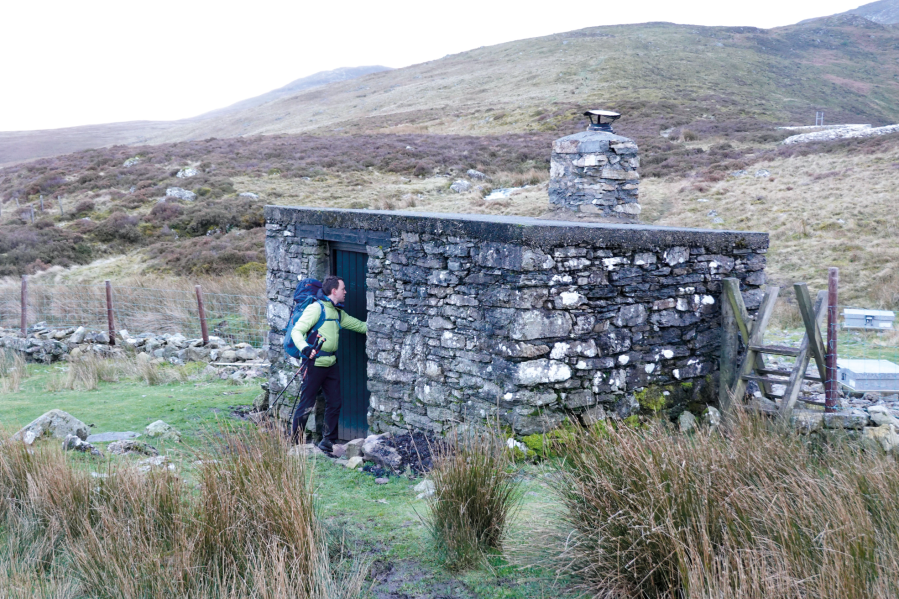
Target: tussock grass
x=12, y=371
x=753, y=513
x=476, y=495
x=85, y=372
x=248, y=531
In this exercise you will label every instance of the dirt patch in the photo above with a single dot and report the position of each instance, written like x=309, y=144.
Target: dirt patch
x=408, y=580
x=417, y=450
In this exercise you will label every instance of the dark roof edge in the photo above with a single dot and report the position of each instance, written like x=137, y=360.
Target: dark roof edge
x=514, y=229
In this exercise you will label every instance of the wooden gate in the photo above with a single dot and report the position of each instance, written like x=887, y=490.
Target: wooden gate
x=350, y=263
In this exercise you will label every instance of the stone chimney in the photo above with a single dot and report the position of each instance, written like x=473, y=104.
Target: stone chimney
x=595, y=171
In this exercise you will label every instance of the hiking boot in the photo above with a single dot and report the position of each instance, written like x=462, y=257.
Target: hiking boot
x=326, y=446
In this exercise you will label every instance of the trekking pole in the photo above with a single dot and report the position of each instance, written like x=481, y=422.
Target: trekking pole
x=301, y=370
x=316, y=347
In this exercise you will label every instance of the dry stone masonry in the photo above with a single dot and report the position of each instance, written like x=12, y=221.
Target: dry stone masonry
x=529, y=321
x=596, y=172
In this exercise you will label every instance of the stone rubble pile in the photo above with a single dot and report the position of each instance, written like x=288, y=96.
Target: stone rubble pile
x=47, y=344
x=842, y=132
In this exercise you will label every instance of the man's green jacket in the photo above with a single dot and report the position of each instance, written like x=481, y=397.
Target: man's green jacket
x=329, y=329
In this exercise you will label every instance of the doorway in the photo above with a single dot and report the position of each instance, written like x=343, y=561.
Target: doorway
x=350, y=263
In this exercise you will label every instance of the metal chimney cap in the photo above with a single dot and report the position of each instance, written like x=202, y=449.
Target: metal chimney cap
x=599, y=115
x=608, y=113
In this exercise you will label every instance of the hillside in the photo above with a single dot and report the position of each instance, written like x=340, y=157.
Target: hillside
x=312, y=81
x=659, y=74
x=885, y=12
x=17, y=146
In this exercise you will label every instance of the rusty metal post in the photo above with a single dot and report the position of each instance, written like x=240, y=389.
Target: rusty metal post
x=110, y=318
x=24, y=306
x=831, y=386
x=202, y=309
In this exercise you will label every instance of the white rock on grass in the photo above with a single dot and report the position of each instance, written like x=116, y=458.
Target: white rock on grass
x=186, y=173
x=54, y=424
x=163, y=431
x=181, y=194
x=73, y=443
x=461, y=186
x=354, y=462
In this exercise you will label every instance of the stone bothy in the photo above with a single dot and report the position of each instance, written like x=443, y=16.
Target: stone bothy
x=475, y=317
x=595, y=172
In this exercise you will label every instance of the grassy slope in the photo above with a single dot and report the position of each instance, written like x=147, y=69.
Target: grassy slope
x=821, y=210
x=845, y=65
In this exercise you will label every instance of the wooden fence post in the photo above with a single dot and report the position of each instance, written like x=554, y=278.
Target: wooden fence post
x=59, y=199
x=730, y=345
x=24, y=306
x=110, y=318
x=42, y=203
x=202, y=309
x=831, y=386
x=32, y=213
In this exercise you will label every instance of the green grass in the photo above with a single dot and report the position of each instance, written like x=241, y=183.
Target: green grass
x=127, y=405
x=378, y=524
x=381, y=523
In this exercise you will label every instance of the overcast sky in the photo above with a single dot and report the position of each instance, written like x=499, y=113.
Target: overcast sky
x=67, y=63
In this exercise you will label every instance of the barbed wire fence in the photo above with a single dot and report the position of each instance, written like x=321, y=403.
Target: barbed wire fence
x=234, y=318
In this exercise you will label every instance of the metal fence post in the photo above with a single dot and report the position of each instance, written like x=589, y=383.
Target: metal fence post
x=831, y=385
x=202, y=310
x=110, y=318
x=24, y=306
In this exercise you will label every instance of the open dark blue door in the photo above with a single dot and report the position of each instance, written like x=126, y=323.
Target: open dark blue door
x=351, y=264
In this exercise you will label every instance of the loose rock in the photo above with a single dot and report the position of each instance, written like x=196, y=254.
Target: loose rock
x=163, y=431
x=56, y=424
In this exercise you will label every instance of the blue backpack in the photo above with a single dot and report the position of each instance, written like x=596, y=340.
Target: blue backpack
x=307, y=292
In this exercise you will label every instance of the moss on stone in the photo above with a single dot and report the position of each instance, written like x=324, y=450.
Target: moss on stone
x=651, y=399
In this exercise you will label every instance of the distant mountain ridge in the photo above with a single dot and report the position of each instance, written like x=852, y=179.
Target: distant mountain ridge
x=316, y=80
x=659, y=75
x=16, y=146
x=885, y=12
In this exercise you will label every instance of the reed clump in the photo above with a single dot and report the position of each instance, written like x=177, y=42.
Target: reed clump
x=476, y=495
x=754, y=512
x=249, y=529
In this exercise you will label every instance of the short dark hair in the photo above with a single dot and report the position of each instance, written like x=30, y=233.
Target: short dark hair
x=330, y=284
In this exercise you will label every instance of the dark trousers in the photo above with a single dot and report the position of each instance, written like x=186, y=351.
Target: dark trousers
x=318, y=378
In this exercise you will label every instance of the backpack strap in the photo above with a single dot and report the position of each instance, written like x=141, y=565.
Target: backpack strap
x=322, y=319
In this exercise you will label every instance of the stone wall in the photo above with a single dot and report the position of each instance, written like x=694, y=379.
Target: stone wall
x=525, y=320
x=595, y=172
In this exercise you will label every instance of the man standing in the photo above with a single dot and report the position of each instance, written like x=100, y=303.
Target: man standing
x=323, y=372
